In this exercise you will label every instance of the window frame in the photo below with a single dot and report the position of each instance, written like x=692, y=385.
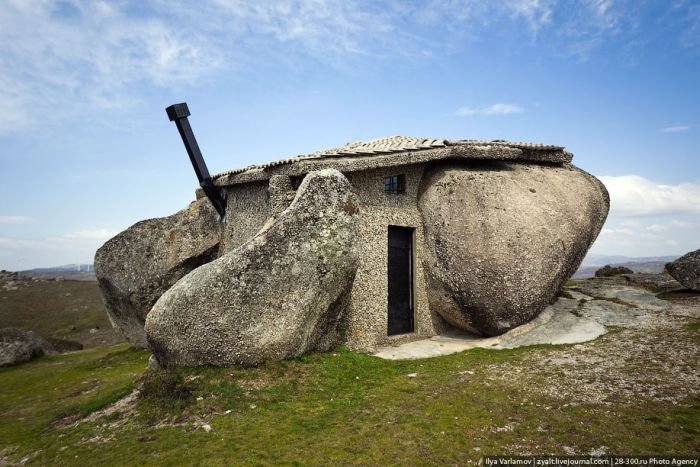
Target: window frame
x=395, y=184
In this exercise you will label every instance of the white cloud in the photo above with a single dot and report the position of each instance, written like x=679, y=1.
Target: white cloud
x=96, y=234
x=675, y=129
x=537, y=13
x=79, y=57
x=657, y=228
x=495, y=109
x=15, y=219
x=648, y=236
x=18, y=253
x=649, y=219
x=632, y=195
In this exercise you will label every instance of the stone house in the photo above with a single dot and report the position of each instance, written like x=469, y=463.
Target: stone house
x=389, y=298
x=370, y=244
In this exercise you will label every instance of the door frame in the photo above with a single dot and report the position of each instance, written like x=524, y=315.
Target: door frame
x=411, y=277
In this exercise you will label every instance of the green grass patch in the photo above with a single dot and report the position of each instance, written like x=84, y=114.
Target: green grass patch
x=341, y=408
x=38, y=395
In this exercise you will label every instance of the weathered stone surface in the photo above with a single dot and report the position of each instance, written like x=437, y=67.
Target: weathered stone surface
x=17, y=346
x=279, y=295
x=686, y=270
x=138, y=265
x=503, y=237
x=609, y=271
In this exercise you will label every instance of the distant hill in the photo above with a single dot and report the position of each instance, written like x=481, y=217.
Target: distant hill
x=648, y=264
x=74, y=272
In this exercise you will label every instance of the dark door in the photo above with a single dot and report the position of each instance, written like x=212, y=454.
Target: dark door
x=400, y=278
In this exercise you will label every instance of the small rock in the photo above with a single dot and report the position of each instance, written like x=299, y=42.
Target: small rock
x=412, y=375
x=17, y=346
x=569, y=451
x=206, y=428
x=152, y=364
x=686, y=270
x=227, y=412
x=200, y=398
x=600, y=451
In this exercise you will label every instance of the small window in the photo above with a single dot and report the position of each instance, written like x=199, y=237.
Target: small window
x=395, y=185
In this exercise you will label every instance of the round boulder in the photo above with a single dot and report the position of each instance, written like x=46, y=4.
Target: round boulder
x=134, y=268
x=503, y=238
x=17, y=346
x=686, y=270
x=280, y=294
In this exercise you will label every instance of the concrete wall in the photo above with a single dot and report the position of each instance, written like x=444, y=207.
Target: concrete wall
x=250, y=205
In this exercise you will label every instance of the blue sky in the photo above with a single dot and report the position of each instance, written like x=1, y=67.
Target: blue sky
x=86, y=148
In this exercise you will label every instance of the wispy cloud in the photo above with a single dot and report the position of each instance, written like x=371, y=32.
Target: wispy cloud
x=15, y=219
x=495, y=109
x=647, y=236
x=76, y=57
x=71, y=247
x=675, y=129
x=62, y=58
x=91, y=234
x=632, y=195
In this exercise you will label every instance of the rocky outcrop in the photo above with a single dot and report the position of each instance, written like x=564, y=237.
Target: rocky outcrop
x=609, y=271
x=686, y=270
x=138, y=265
x=503, y=237
x=17, y=346
x=279, y=295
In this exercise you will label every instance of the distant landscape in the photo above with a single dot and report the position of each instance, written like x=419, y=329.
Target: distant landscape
x=74, y=272
x=592, y=262
x=64, y=307
x=651, y=264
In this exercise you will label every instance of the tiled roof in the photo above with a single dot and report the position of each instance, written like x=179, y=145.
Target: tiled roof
x=390, y=145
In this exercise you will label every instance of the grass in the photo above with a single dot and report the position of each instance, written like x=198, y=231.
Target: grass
x=333, y=408
x=37, y=395
x=66, y=310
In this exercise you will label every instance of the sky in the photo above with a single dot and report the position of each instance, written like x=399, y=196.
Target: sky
x=86, y=148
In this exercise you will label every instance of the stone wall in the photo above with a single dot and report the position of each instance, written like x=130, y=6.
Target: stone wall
x=251, y=205
x=247, y=210
x=367, y=327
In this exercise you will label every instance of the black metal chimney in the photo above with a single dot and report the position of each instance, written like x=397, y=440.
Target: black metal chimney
x=178, y=113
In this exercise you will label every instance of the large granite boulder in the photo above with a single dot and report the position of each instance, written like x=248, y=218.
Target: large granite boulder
x=17, y=346
x=686, y=270
x=503, y=237
x=138, y=265
x=279, y=295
